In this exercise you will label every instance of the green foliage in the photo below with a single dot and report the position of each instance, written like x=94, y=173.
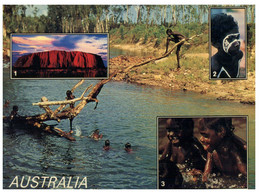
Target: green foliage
x=157, y=43
x=121, y=29
x=251, y=35
x=145, y=38
x=137, y=32
x=251, y=63
x=157, y=34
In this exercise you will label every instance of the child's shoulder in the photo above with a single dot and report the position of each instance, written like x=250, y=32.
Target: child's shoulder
x=229, y=145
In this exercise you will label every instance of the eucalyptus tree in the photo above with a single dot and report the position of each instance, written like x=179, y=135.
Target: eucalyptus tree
x=55, y=14
x=139, y=9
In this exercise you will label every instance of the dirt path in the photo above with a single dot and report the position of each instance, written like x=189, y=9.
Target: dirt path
x=202, y=55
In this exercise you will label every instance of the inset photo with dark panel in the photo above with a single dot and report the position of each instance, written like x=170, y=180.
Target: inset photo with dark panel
x=228, y=35
x=59, y=56
x=202, y=152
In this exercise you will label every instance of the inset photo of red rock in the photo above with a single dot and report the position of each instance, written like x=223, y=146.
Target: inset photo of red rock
x=59, y=56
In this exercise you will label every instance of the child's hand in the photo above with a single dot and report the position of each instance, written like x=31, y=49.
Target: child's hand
x=204, y=178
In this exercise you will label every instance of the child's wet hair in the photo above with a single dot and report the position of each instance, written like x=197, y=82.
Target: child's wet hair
x=68, y=93
x=217, y=124
x=128, y=145
x=185, y=124
x=15, y=108
x=107, y=143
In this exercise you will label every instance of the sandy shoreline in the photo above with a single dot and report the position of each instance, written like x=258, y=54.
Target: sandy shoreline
x=242, y=91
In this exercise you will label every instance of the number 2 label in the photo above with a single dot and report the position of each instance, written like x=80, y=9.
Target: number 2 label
x=214, y=74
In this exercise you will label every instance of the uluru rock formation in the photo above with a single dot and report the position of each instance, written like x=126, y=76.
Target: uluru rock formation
x=60, y=60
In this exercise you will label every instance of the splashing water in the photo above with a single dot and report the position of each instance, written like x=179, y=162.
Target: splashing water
x=215, y=181
x=78, y=131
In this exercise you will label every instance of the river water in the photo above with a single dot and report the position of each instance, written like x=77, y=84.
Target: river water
x=126, y=113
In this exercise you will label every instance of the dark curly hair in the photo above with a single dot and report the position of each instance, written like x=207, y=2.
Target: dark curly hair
x=220, y=25
x=185, y=124
x=217, y=124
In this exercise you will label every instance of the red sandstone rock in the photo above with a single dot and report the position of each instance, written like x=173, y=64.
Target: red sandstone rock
x=60, y=59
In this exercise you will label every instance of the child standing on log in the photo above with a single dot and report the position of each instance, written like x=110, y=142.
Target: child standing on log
x=174, y=37
x=70, y=96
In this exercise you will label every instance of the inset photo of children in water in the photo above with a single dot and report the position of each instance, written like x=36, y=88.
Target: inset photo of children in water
x=228, y=43
x=202, y=152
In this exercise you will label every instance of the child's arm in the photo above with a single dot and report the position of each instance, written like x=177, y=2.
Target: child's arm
x=208, y=167
x=240, y=164
x=167, y=150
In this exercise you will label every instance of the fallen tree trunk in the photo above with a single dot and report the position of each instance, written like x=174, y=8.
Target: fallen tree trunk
x=71, y=113
x=44, y=102
x=22, y=121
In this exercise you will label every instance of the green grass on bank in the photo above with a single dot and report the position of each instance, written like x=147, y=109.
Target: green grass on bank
x=192, y=68
x=155, y=35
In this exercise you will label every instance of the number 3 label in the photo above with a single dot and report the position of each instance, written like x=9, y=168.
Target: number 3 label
x=162, y=183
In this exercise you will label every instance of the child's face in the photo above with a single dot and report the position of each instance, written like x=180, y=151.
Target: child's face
x=174, y=135
x=209, y=139
x=169, y=33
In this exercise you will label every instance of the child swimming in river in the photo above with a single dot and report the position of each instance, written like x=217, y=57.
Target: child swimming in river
x=95, y=135
x=7, y=102
x=14, y=114
x=107, y=145
x=128, y=147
